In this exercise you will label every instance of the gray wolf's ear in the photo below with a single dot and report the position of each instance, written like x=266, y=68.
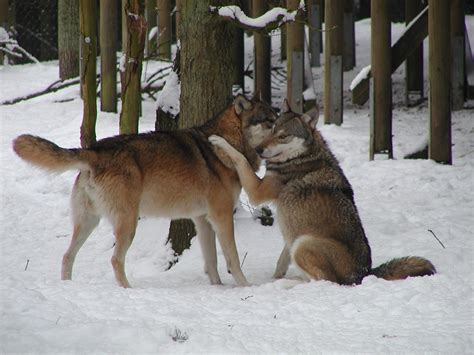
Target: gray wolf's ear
x=285, y=106
x=241, y=103
x=311, y=117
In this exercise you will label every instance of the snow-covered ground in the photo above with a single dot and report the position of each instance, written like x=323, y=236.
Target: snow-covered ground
x=177, y=311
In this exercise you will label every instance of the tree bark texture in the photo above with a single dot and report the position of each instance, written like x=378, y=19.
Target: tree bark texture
x=88, y=23
x=108, y=55
x=333, y=57
x=295, y=59
x=131, y=81
x=151, y=17
x=440, y=81
x=68, y=38
x=164, y=29
x=206, y=84
x=262, y=56
x=381, y=101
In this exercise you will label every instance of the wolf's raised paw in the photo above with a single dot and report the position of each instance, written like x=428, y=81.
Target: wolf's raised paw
x=218, y=141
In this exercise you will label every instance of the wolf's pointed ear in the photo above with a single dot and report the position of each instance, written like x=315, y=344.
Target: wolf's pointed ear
x=285, y=106
x=311, y=117
x=241, y=103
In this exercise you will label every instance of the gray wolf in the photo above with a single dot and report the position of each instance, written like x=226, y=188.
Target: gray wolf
x=175, y=174
x=316, y=212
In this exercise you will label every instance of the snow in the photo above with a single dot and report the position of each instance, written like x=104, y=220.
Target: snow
x=398, y=200
x=168, y=100
x=277, y=13
x=363, y=74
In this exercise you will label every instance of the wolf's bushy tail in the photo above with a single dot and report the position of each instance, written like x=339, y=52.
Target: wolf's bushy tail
x=47, y=155
x=401, y=268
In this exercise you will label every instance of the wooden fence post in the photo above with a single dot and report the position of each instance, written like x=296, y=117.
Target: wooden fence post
x=295, y=60
x=439, y=20
x=381, y=81
x=414, y=63
x=333, y=56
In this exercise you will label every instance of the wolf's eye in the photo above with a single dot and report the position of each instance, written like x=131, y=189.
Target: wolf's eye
x=282, y=136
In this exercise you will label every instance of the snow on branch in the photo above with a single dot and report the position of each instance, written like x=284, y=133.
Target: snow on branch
x=267, y=22
x=11, y=47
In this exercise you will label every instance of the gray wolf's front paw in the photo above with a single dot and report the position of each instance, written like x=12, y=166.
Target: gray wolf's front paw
x=219, y=141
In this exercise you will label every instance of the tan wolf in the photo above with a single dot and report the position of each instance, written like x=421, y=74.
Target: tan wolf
x=316, y=212
x=166, y=174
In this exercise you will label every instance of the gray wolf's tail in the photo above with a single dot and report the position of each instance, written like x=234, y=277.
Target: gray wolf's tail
x=47, y=155
x=401, y=268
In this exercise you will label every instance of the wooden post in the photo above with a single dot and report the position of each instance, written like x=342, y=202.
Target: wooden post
x=108, y=55
x=458, y=64
x=151, y=18
x=315, y=43
x=283, y=36
x=349, y=61
x=88, y=23
x=262, y=55
x=124, y=27
x=164, y=29
x=414, y=63
x=131, y=78
x=440, y=79
x=333, y=53
x=295, y=60
x=381, y=81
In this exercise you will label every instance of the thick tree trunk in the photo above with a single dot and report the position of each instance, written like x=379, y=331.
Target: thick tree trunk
x=262, y=56
x=68, y=38
x=206, y=84
x=108, y=55
x=131, y=95
x=88, y=23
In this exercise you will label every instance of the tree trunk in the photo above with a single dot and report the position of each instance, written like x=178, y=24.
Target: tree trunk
x=295, y=59
x=333, y=58
x=262, y=56
x=439, y=23
x=381, y=81
x=164, y=29
x=131, y=96
x=88, y=23
x=3, y=21
x=68, y=38
x=206, y=84
x=108, y=55
x=151, y=15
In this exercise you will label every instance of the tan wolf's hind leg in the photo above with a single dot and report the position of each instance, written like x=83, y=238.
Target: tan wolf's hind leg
x=124, y=232
x=85, y=219
x=82, y=230
x=315, y=256
x=207, y=241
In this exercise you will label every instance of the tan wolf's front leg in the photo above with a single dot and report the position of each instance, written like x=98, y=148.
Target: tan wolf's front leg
x=258, y=190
